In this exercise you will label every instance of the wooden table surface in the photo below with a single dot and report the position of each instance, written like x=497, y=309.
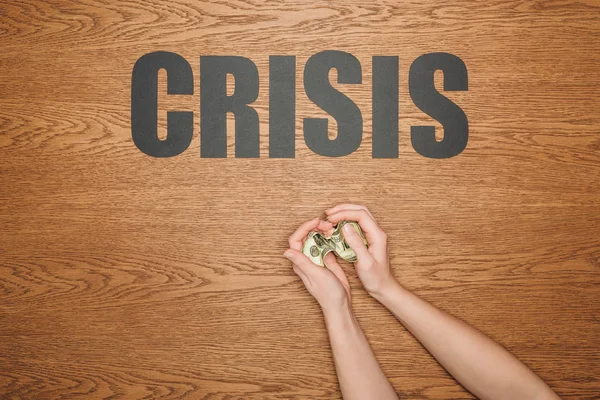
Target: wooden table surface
x=128, y=276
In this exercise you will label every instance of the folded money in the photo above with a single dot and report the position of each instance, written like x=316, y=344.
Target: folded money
x=317, y=244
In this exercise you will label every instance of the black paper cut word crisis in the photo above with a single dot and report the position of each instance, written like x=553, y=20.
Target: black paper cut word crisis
x=215, y=103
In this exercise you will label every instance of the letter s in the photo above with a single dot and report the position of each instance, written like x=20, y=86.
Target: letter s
x=433, y=103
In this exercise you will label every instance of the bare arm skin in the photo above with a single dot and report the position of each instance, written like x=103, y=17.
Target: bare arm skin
x=359, y=374
x=481, y=365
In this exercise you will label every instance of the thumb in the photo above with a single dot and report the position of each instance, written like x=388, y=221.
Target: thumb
x=355, y=242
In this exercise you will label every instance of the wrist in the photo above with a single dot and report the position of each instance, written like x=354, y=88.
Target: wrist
x=341, y=313
x=386, y=289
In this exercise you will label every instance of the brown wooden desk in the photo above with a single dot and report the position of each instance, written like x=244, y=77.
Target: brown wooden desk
x=127, y=276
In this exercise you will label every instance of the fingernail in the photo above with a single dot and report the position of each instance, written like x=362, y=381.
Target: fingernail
x=287, y=255
x=348, y=229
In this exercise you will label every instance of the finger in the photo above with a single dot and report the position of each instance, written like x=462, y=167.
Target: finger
x=296, y=239
x=348, y=207
x=332, y=265
x=325, y=226
x=305, y=279
x=356, y=243
x=302, y=275
x=309, y=268
x=372, y=231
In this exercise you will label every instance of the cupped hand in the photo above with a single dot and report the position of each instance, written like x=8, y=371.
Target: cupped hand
x=329, y=286
x=372, y=265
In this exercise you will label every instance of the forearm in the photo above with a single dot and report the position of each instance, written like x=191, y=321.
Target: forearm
x=359, y=373
x=481, y=365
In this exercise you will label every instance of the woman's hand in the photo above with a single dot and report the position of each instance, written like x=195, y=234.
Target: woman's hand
x=329, y=286
x=372, y=266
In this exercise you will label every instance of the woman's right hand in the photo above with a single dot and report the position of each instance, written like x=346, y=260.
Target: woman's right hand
x=372, y=265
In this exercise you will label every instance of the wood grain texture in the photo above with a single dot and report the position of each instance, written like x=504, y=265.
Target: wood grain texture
x=126, y=276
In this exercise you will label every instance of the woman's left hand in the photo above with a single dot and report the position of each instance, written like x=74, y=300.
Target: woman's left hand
x=329, y=286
